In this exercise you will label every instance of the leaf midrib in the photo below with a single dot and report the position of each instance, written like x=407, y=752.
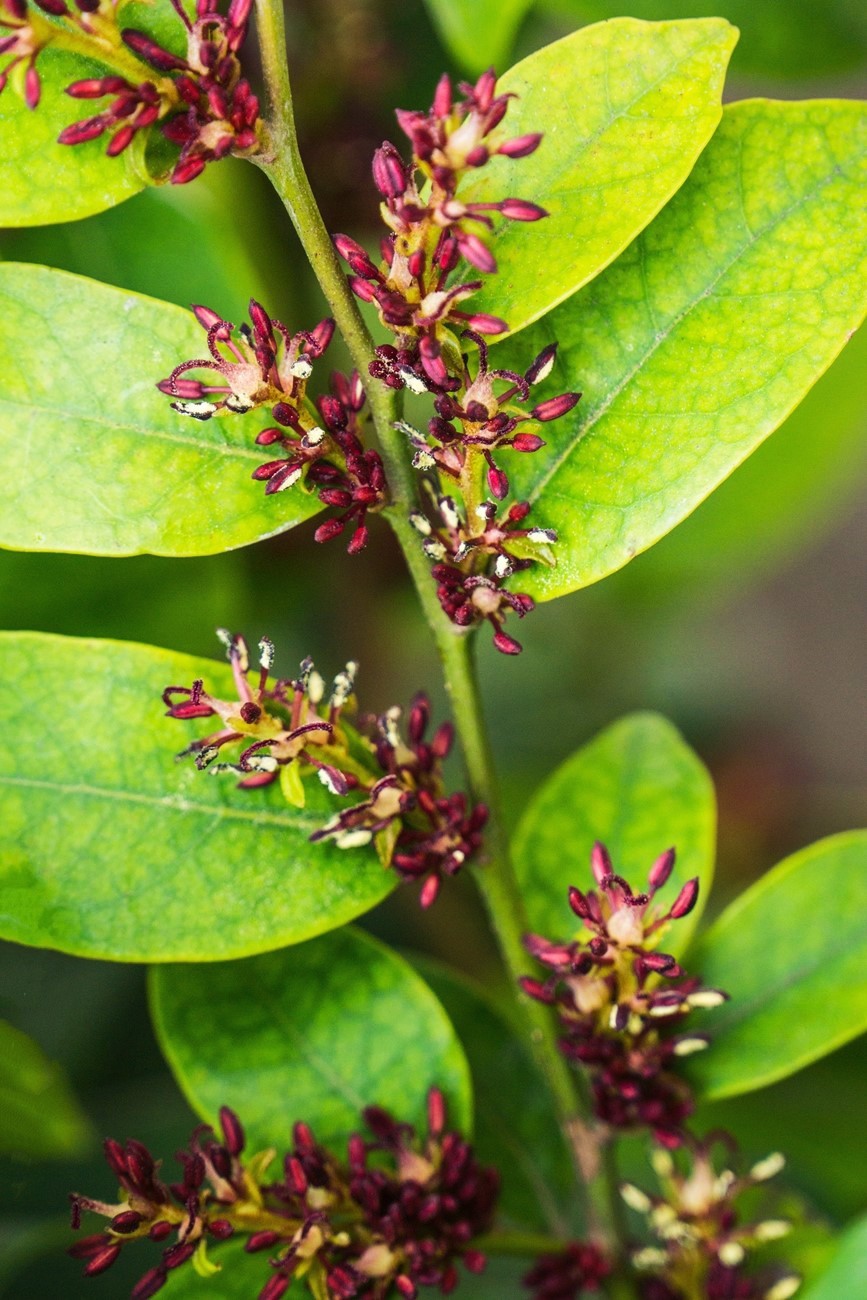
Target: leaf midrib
x=170, y=802
x=662, y=336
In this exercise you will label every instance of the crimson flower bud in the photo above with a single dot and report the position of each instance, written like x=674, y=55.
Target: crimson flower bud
x=521, y=145
x=390, y=174
x=554, y=407
x=686, y=899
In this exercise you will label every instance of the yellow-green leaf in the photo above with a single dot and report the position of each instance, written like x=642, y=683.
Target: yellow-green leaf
x=113, y=849
x=626, y=108
x=704, y=335
x=39, y=1116
x=95, y=459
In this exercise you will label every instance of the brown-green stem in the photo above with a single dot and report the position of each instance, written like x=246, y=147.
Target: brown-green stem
x=281, y=162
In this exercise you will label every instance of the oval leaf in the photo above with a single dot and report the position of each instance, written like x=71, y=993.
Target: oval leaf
x=789, y=38
x=790, y=951
x=515, y=1128
x=313, y=1033
x=704, y=336
x=42, y=181
x=39, y=1116
x=846, y=1275
x=626, y=108
x=112, y=849
x=96, y=460
x=639, y=789
x=479, y=33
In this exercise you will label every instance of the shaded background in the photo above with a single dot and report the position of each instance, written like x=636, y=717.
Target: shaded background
x=745, y=626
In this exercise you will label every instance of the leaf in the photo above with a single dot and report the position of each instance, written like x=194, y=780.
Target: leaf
x=112, y=849
x=626, y=108
x=312, y=1033
x=515, y=1128
x=479, y=33
x=96, y=461
x=144, y=244
x=39, y=1116
x=704, y=336
x=790, y=952
x=639, y=789
x=847, y=1272
x=788, y=493
x=42, y=181
x=785, y=38
x=240, y=1277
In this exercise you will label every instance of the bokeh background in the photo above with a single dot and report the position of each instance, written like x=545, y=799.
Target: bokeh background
x=745, y=627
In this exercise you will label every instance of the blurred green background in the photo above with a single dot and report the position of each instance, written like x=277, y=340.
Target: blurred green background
x=745, y=626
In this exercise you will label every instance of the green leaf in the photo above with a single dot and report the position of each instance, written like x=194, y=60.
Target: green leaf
x=786, y=38
x=515, y=1128
x=112, y=849
x=704, y=336
x=790, y=952
x=479, y=33
x=39, y=1116
x=847, y=1272
x=313, y=1033
x=626, y=108
x=42, y=181
x=144, y=245
x=638, y=788
x=96, y=461
x=791, y=490
x=240, y=1277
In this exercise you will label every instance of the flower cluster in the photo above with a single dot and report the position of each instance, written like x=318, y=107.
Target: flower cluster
x=430, y=230
x=204, y=104
x=399, y=1212
x=265, y=365
x=288, y=729
x=473, y=559
x=483, y=421
x=581, y=1266
x=704, y=1247
x=615, y=990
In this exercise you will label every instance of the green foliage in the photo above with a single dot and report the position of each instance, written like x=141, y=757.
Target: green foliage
x=479, y=33
x=80, y=393
x=313, y=1033
x=790, y=951
x=112, y=849
x=42, y=181
x=639, y=789
x=515, y=1128
x=240, y=1277
x=39, y=1116
x=783, y=38
x=626, y=108
x=705, y=334
x=791, y=489
x=847, y=1273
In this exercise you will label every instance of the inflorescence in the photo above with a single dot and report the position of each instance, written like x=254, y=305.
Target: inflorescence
x=616, y=992
x=200, y=100
x=287, y=729
x=399, y=1212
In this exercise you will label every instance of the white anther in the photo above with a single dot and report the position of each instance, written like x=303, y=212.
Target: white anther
x=262, y=763
x=226, y=637
x=649, y=1258
x=420, y=523
x=541, y=535
x=449, y=512
x=402, y=426
x=197, y=410
x=315, y=687
x=767, y=1168
x=503, y=566
x=546, y=369
x=687, y=1046
x=635, y=1198
x=301, y=369
x=772, y=1230
x=414, y=382
x=423, y=460
x=666, y=1009
x=706, y=998
x=328, y=781
x=731, y=1253
x=784, y=1289
x=353, y=839
x=314, y=436
x=433, y=549
x=291, y=478
x=239, y=403
x=266, y=654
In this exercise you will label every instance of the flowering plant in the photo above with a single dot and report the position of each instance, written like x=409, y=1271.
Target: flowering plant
x=530, y=391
